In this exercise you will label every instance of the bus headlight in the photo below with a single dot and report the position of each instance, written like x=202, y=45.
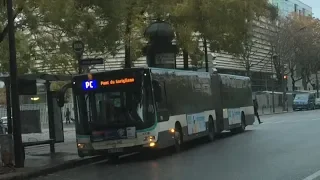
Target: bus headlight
x=81, y=145
x=84, y=146
x=149, y=138
x=152, y=144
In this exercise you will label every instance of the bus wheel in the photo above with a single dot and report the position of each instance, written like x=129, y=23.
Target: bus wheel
x=80, y=154
x=178, y=140
x=211, y=134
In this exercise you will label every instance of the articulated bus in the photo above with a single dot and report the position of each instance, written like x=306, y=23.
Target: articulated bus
x=129, y=110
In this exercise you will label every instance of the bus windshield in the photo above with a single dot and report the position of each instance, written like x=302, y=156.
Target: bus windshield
x=119, y=107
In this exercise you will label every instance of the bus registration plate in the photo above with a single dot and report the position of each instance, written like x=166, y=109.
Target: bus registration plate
x=115, y=150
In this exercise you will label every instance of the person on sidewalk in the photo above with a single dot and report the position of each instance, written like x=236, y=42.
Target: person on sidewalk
x=68, y=116
x=255, y=107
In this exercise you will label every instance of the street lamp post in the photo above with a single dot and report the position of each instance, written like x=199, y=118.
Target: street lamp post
x=206, y=54
x=273, y=104
x=18, y=151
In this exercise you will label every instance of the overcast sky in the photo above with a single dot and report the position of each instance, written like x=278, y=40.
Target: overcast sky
x=315, y=4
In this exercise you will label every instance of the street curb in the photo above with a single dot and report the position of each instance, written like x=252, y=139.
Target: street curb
x=52, y=169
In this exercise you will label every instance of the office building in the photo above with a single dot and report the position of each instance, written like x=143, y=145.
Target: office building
x=286, y=7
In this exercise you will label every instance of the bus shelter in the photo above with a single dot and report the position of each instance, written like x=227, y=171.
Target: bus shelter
x=27, y=85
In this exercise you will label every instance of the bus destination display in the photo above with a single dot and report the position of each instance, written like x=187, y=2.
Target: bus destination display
x=95, y=84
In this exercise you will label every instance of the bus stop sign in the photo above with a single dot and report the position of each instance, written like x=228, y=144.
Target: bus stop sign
x=78, y=47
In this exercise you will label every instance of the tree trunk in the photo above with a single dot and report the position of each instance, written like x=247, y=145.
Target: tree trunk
x=206, y=54
x=304, y=82
x=293, y=82
x=127, y=48
x=317, y=84
x=185, y=59
x=248, y=72
x=127, y=58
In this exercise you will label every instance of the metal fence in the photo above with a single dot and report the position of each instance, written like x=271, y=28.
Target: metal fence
x=266, y=106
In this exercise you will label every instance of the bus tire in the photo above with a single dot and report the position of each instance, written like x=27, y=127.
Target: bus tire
x=80, y=154
x=178, y=138
x=211, y=131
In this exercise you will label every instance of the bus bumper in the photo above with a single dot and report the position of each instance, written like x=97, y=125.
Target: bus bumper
x=107, y=152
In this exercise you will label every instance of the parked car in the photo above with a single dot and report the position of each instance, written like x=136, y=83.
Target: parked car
x=304, y=101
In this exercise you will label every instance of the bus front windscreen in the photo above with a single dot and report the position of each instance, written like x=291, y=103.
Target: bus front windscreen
x=117, y=107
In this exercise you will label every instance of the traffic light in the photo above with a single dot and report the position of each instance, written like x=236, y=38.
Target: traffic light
x=285, y=77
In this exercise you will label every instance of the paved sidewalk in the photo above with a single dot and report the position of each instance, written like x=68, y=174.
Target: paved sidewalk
x=39, y=161
x=69, y=135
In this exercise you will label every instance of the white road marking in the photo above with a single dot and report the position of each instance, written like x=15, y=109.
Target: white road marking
x=313, y=176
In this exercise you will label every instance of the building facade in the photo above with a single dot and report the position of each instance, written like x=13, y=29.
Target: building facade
x=286, y=7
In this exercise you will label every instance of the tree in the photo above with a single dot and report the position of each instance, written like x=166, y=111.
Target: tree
x=283, y=46
x=306, y=47
x=23, y=47
x=295, y=40
x=221, y=23
x=249, y=48
x=245, y=55
x=105, y=27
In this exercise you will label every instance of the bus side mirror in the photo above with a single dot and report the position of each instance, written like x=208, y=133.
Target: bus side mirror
x=157, y=91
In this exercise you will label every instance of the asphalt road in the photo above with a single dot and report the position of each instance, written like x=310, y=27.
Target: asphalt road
x=284, y=147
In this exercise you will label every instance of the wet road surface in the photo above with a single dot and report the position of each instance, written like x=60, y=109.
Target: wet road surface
x=284, y=147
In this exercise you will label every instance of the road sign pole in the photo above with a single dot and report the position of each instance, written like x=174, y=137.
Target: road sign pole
x=78, y=48
x=79, y=65
x=19, y=157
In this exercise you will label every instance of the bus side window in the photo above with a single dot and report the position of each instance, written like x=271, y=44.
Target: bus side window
x=160, y=94
x=164, y=102
x=161, y=101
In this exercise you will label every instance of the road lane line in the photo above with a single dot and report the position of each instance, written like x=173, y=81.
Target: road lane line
x=313, y=176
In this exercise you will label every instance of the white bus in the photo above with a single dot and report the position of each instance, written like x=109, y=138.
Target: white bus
x=128, y=110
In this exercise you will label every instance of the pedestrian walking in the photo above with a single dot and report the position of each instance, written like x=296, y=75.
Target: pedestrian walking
x=67, y=115
x=255, y=107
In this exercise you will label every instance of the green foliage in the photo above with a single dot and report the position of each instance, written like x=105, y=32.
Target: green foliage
x=224, y=23
x=45, y=31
